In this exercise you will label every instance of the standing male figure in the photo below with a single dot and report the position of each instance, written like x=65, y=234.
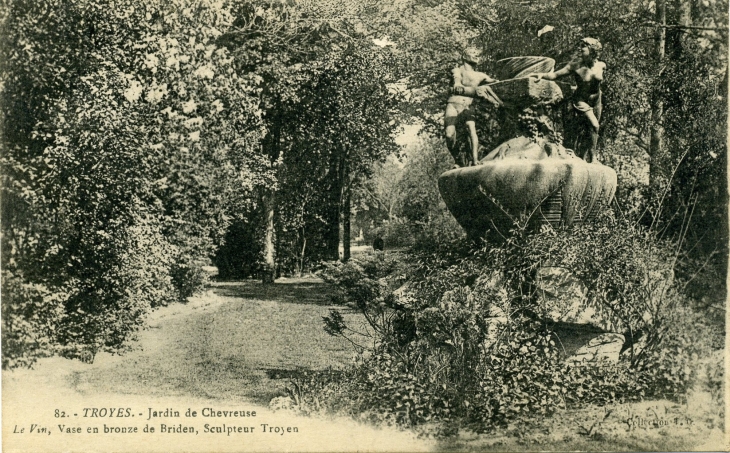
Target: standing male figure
x=458, y=107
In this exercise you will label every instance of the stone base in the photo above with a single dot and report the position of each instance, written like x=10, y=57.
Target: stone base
x=604, y=347
x=553, y=186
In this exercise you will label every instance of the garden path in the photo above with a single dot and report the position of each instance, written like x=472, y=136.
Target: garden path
x=231, y=348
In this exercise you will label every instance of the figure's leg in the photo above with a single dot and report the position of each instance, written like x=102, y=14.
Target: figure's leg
x=474, y=141
x=451, y=137
x=573, y=127
x=590, y=153
x=597, y=110
x=450, y=118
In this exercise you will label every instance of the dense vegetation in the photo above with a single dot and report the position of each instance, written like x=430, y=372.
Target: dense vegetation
x=141, y=140
x=464, y=334
x=126, y=130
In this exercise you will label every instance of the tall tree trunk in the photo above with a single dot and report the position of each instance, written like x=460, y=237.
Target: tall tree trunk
x=269, y=270
x=332, y=211
x=346, y=226
x=658, y=166
x=272, y=146
x=680, y=14
x=301, y=255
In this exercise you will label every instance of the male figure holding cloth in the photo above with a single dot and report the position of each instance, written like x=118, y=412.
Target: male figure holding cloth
x=459, y=108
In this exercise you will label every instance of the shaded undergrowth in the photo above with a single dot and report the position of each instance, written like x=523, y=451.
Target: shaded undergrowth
x=459, y=337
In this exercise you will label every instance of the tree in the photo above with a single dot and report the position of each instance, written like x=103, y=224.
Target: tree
x=353, y=107
x=314, y=61
x=379, y=198
x=280, y=45
x=117, y=180
x=421, y=201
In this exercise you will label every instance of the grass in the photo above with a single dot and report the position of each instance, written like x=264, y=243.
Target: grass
x=242, y=341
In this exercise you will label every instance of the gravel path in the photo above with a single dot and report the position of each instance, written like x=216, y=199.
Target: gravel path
x=232, y=348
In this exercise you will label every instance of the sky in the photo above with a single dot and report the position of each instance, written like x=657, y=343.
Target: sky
x=409, y=135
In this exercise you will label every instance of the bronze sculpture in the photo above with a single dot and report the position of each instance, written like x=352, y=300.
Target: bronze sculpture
x=587, y=72
x=458, y=107
x=531, y=179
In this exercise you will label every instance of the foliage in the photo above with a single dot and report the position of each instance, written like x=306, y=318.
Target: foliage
x=396, y=233
x=627, y=274
x=367, y=287
x=693, y=210
x=29, y=314
x=315, y=62
x=352, y=107
x=378, y=199
x=439, y=230
x=327, y=160
x=715, y=371
x=667, y=369
x=402, y=205
x=135, y=138
x=239, y=254
x=464, y=335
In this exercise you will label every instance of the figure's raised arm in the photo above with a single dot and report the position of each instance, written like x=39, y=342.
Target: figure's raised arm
x=555, y=74
x=486, y=78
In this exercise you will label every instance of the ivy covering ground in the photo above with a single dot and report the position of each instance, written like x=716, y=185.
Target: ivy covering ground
x=459, y=336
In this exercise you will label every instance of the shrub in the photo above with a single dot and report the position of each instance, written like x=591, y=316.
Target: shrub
x=627, y=274
x=131, y=136
x=396, y=233
x=466, y=337
x=97, y=304
x=438, y=230
x=366, y=286
x=520, y=376
x=667, y=369
x=128, y=274
x=377, y=390
x=29, y=314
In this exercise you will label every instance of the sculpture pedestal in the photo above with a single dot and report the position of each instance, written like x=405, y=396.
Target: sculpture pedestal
x=526, y=183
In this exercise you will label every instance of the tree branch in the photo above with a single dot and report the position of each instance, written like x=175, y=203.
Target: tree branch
x=638, y=138
x=683, y=27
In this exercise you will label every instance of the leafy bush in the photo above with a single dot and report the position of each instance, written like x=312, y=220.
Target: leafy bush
x=366, y=286
x=29, y=314
x=132, y=137
x=628, y=275
x=396, y=233
x=377, y=390
x=667, y=369
x=461, y=334
x=520, y=376
x=438, y=230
